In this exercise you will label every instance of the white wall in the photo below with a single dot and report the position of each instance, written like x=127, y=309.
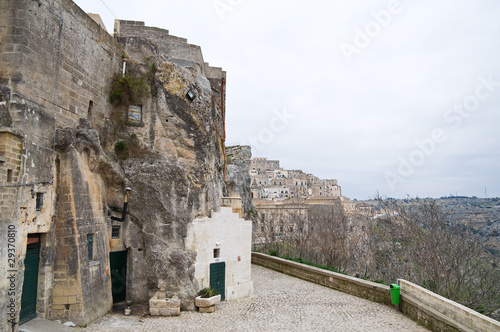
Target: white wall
x=233, y=236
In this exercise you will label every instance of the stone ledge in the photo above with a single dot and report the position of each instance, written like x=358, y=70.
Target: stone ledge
x=14, y=132
x=432, y=315
x=442, y=311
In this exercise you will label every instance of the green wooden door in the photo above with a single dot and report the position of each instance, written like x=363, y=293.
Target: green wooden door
x=118, y=263
x=30, y=283
x=218, y=278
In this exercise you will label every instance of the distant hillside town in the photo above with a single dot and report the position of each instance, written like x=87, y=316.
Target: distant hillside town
x=270, y=182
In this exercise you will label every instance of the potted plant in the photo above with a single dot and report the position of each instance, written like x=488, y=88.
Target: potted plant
x=207, y=299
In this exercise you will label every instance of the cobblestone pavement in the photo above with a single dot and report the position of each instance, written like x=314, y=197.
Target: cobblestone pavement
x=279, y=303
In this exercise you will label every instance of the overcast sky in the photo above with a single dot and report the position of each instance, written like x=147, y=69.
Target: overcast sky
x=400, y=97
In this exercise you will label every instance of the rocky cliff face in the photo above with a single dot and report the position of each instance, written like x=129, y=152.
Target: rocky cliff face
x=237, y=176
x=67, y=154
x=172, y=159
x=175, y=177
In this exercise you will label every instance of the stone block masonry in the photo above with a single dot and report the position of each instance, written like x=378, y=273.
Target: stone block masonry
x=10, y=169
x=60, y=46
x=441, y=314
x=62, y=179
x=173, y=48
x=56, y=66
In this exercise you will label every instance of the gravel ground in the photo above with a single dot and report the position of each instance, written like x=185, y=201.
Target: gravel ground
x=279, y=303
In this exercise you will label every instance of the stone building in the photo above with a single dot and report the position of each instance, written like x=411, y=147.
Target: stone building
x=291, y=202
x=259, y=164
x=293, y=217
x=270, y=182
x=105, y=201
x=278, y=219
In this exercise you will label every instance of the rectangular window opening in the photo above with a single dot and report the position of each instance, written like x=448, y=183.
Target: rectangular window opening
x=216, y=252
x=9, y=175
x=90, y=246
x=39, y=201
x=115, y=232
x=91, y=106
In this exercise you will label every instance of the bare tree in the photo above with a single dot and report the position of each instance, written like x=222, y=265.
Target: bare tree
x=333, y=239
x=438, y=255
x=295, y=232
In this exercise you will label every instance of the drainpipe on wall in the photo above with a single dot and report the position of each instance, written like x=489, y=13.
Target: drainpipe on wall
x=125, y=204
x=124, y=67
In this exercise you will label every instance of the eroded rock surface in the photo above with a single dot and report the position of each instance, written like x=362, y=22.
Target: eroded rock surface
x=237, y=177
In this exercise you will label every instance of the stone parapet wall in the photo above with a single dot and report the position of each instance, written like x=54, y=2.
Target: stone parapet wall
x=355, y=286
x=439, y=313
x=175, y=49
x=421, y=305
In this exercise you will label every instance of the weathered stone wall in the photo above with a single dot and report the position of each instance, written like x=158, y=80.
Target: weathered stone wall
x=178, y=176
x=171, y=48
x=56, y=66
x=81, y=284
x=10, y=161
x=275, y=219
x=439, y=313
x=43, y=41
x=58, y=138
x=238, y=177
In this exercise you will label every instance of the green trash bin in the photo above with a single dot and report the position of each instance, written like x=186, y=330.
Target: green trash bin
x=395, y=294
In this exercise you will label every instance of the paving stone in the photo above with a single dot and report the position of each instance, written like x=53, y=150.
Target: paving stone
x=279, y=303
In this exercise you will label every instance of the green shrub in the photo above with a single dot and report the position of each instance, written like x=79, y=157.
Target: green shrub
x=125, y=89
x=121, y=149
x=208, y=292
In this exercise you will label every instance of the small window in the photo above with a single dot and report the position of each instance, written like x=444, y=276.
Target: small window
x=39, y=201
x=216, y=252
x=90, y=246
x=91, y=106
x=115, y=232
x=191, y=95
x=9, y=175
